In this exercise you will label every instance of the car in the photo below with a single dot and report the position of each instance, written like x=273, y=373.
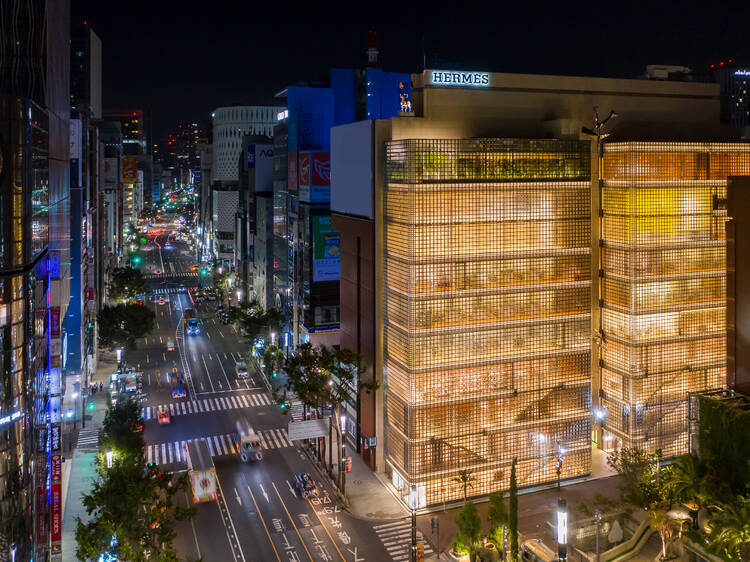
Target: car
x=158, y=271
x=139, y=302
x=162, y=416
x=137, y=427
x=193, y=327
x=305, y=485
x=193, y=268
x=161, y=301
x=168, y=246
x=170, y=345
x=240, y=369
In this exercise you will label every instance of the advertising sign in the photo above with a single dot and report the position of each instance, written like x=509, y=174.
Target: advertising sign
x=453, y=78
x=129, y=169
x=250, y=156
x=56, y=468
x=304, y=168
x=56, y=515
x=348, y=464
x=326, y=250
x=41, y=515
x=111, y=169
x=307, y=429
x=321, y=168
x=54, y=315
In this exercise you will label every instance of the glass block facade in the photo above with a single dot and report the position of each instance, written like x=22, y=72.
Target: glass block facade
x=662, y=285
x=487, y=312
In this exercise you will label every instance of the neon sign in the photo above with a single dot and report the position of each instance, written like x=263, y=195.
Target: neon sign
x=742, y=72
x=470, y=79
x=10, y=418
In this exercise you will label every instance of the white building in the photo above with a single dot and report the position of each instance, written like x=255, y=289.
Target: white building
x=230, y=124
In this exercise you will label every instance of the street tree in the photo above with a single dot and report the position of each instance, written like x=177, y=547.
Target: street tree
x=121, y=325
x=125, y=283
x=466, y=480
x=497, y=517
x=131, y=503
x=513, y=513
x=470, y=528
x=256, y=322
x=639, y=472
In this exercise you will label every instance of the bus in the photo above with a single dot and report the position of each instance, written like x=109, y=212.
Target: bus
x=201, y=470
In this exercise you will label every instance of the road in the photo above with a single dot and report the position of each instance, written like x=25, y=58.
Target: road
x=259, y=515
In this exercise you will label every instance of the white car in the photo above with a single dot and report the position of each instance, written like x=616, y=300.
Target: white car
x=241, y=370
x=170, y=345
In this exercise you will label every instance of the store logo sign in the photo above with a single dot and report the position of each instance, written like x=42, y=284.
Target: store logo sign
x=471, y=79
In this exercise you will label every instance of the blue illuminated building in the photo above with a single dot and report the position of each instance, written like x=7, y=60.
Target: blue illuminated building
x=305, y=279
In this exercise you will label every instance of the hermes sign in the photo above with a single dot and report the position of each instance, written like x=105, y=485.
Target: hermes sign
x=470, y=79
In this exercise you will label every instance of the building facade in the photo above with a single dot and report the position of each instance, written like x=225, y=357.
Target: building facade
x=230, y=124
x=527, y=293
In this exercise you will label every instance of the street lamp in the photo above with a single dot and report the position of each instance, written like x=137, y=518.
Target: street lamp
x=109, y=458
x=342, y=465
x=13, y=549
x=598, y=521
x=413, y=504
x=119, y=356
x=562, y=510
x=239, y=296
x=273, y=338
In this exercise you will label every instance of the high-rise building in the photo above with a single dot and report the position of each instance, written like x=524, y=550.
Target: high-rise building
x=86, y=71
x=34, y=268
x=517, y=292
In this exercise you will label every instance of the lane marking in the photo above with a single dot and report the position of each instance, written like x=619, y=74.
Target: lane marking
x=257, y=509
x=326, y=530
x=292, y=521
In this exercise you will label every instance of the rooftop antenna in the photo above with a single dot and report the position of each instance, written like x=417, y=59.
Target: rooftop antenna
x=599, y=124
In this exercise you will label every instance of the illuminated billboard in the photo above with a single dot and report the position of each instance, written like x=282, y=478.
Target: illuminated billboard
x=129, y=169
x=326, y=250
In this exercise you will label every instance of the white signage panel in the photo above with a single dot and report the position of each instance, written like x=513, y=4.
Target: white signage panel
x=307, y=429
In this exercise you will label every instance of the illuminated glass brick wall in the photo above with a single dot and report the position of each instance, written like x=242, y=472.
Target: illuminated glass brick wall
x=487, y=317
x=663, y=285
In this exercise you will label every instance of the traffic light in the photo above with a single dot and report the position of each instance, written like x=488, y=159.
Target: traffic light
x=136, y=259
x=92, y=405
x=274, y=374
x=204, y=271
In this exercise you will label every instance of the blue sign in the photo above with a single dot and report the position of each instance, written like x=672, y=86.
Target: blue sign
x=250, y=156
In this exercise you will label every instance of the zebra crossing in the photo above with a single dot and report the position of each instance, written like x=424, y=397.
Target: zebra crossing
x=396, y=538
x=88, y=438
x=219, y=445
x=170, y=290
x=172, y=274
x=204, y=405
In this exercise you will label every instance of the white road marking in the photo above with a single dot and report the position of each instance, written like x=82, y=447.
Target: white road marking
x=292, y=490
x=265, y=494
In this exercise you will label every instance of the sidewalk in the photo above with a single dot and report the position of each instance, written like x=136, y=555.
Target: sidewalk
x=368, y=493
x=81, y=472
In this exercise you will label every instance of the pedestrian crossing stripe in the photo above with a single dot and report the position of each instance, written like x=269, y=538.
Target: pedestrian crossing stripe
x=396, y=538
x=204, y=405
x=174, y=274
x=170, y=290
x=218, y=445
x=88, y=438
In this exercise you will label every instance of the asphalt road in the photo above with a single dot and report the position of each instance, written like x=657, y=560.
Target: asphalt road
x=260, y=515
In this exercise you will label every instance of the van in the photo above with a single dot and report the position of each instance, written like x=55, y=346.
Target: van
x=534, y=550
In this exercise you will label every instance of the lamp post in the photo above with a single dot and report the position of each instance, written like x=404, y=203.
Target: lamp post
x=13, y=549
x=109, y=458
x=119, y=357
x=413, y=503
x=562, y=510
x=342, y=465
x=598, y=522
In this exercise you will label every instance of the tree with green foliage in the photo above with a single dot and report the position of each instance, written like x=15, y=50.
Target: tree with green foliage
x=497, y=517
x=127, y=501
x=125, y=283
x=254, y=322
x=729, y=530
x=121, y=325
x=470, y=528
x=639, y=471
x=513, y=513
x=466, y=480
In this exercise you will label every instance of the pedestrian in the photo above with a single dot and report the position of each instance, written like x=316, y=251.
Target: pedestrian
x=101, y=386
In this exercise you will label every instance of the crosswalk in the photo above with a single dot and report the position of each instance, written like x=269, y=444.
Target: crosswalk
x=219, y=445
x=169, y=290
x=203, y=405
x=396, y=538
x=171, y=274
x=88, y=438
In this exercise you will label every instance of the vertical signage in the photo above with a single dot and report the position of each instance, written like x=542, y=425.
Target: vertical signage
x=304, y=168
x=129, y=169
x=55, y=322
x=56, y=514
x=250, y=156
x=326, y=250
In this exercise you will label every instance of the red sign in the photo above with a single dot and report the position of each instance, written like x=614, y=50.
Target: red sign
x=304, y=168
x=348, y=464
x=91, y=293
x=41, y=515
x=54, y=329
x=321, y=168
x=56, y=468
x=292, y=171
x=56, y=516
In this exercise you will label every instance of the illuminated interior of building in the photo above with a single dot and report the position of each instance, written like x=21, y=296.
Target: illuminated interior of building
x=487, y=319
x=662, y=286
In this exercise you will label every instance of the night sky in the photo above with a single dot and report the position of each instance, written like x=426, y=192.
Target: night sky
x=183, y=58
